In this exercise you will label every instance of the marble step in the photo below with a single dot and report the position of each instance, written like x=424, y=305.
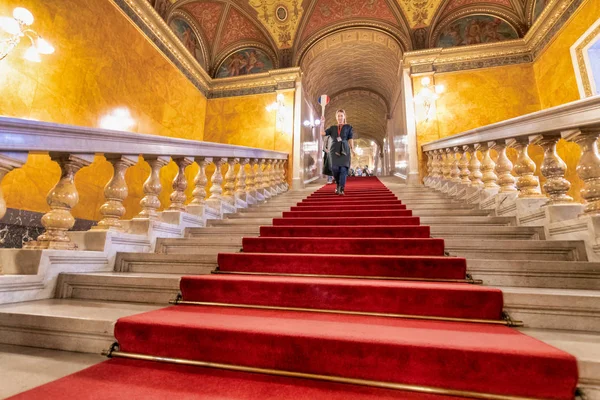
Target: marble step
x=543, y=308
x=240, y=221
x=468, y=220
x=208, y=245
x=550, y=250
x=534, y=273
x=585, y=347
x=262, y=214
x=266, y=208
x=419, y=205
x=243, y=230
x=488, y=232
x=64, y=324
x=117, y=286
x=184, y=264
x=450, y=213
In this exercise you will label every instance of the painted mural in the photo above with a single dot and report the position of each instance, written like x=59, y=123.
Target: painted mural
x=476, y=29
x=538, y=8
x=244, y=62
x=189, y=39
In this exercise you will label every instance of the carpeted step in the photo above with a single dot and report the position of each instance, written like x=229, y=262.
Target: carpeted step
x=362, y=196
x=120, y=378
x=333, y=206
x=461, y=356
x=406, y=247
x=341, y=200
x=433, y=299
x=341, y=220
x=415, y=267
x=353, y=213
x=378, y=231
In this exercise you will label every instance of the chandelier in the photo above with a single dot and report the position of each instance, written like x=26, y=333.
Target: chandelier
x=17, y=27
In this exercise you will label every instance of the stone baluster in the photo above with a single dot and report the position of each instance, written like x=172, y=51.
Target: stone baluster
x=7, y=163
x=475, y=175
x=464, y=166
x=61, y=199
x=437, y=164
x=455, y=171
x=259, y=177
x=553, y=169
x=504, y=168
x=275, y=175
x=588, y=168
x=487, y=168
x=266, y=178
x=284, y=184
x=152, y=187
x=229, y=186
x=527, y=183
x=447, y=169
x=271, y=176
x=200, y=181
x=115, y=192
x=216, y=191
x=251, y=181
x=178, y=197
x=240, y=183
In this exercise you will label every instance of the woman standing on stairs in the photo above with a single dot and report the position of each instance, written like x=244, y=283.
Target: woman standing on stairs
x=339, y=152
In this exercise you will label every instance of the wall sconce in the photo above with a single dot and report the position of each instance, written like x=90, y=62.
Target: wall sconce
x=312, y=124
x=17, y=27
x=427, y=96
x=279, y=107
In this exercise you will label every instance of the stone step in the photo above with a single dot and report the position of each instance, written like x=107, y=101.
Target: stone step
x=64, y=324
x=117, y=286
x=184, y=264
x=418, y=206
x=585, y=347
x=450, y=213
x=240, y=221
x=551, y=250
x=262, y=214
x=542, y=308
x=541, y=274
x=243, y=230
x=265, y=208
x=488, y=232
x=468, y=220
x=200, y=245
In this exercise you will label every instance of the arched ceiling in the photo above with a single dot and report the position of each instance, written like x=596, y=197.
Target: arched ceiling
x=285, y=29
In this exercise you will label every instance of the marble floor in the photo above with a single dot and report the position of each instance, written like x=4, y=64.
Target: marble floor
x=23, y=368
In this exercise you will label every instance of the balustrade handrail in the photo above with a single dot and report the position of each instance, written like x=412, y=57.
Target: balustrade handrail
x=20, y=135
x=575, y=115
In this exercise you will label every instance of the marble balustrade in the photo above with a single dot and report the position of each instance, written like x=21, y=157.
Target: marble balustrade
x=250, y=175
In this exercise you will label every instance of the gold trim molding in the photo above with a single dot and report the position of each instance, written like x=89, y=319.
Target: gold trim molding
x=579, y=59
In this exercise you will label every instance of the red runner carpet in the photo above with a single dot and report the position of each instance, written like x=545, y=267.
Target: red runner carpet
x=301, y=298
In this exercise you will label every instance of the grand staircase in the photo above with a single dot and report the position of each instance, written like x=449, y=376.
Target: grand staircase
x=549, y=285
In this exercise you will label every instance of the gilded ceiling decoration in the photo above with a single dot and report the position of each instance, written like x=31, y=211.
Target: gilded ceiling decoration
x=419, y=12
x=281, y=17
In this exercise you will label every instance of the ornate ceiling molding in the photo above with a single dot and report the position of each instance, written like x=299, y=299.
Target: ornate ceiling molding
x=151, y=25
x=223, y=54
x=519, y=51
x=184, y=15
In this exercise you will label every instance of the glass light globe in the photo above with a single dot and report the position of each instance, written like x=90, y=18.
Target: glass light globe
x=23, y=15
x=425, y=81
x=10, y=25
x=317, y=122
x=32, y=55
x=439, y=89
x=279, y=97
x=43, y=47
x=306, y=123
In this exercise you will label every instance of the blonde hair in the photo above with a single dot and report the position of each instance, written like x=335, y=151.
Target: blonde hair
x=341, y=110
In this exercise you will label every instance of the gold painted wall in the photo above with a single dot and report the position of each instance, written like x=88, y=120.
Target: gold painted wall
x=553, y=69
x=101, y=62
x=476, y=98
x=244, y=121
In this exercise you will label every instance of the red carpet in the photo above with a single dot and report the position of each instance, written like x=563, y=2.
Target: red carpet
x=308, y=330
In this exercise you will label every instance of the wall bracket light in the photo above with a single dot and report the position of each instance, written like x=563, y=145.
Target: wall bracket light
x=428, y=95
x=17, y=27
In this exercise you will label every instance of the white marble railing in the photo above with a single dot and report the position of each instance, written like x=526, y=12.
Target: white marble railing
x=260, y=176
x=454, y=167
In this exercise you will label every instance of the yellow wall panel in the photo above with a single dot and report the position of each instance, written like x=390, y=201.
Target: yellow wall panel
x=554, y=71
x=101, y=62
